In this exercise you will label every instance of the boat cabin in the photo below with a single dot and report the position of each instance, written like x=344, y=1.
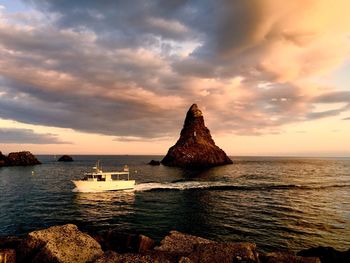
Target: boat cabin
x=113, y=176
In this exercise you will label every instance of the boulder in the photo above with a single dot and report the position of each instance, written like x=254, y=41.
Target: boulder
x=59, y=244
x=326, y=254
x=114, y=257
x=124, y=242
x=286, y=257
x=154, y=163
x=65, y=158
x=7, y=256
x=24, y=158
x=195, y=147
x=10, y=242
x=180, y=243
x=224, y=253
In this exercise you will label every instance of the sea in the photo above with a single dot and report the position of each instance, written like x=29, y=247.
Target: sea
x=277, y=202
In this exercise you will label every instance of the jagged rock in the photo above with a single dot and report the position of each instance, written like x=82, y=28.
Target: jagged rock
x=65, y=158
x=224, y=253
x=326, y=254
x=21, y=159
x=10, y=242
x=7, y=256
x=144, y=243
x=124, y=242
x=195, y=147
x=287, y=257
x=180, y=243
x=154, y=163
x=59, y=244
x=113, y=257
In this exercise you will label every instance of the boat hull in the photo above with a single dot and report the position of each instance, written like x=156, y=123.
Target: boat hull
x=99, y=186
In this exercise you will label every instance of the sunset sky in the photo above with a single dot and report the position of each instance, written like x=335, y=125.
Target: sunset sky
x=117, y=77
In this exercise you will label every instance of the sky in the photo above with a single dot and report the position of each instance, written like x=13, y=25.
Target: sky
x=117, y=77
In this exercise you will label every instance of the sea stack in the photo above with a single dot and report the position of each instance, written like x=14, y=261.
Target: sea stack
x=195, y=147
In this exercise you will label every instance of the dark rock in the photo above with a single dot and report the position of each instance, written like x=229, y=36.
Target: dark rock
x=195, y=147
x=153, y=162
x=2, y=159
x=21, y=159
x=124, y=242
x=144, y=244
x=59, y=244
x=326, y=254
x=10, y=242
x=180, y=243
x=7, y=256
x=114, y=257
x=65, y=158
x=286, y=257
x=224, y=253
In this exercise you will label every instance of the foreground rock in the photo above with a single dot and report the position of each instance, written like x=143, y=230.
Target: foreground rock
x=151, y=257
x=65, y=158
x=67, y=244
x=124, y=242
x=7, y=256
x=180, y=243
x=194, y=249
x=277, y=257
x=24, y=158
x=195, y=147
x=224, y=252
x=59, y=244
x=327, y=254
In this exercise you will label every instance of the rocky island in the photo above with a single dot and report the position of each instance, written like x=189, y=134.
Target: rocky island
x=195, y=147
x=23, y=158
x=65, y=158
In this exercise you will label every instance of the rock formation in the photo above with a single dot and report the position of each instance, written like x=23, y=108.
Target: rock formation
x=59, y=244
x=2, y=159
x=18, y=159
x=65, y=158
x=154, y=162
x=67, y=244
x=195, y=147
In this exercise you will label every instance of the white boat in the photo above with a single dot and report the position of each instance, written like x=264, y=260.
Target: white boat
x=98, y=180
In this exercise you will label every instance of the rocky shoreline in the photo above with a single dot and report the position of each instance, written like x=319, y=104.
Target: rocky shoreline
x=68, y=244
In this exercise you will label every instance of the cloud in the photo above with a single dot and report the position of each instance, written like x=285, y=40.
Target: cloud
x=131, y=70
x=27, y=136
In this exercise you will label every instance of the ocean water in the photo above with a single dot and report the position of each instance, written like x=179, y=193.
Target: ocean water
x=278, y=203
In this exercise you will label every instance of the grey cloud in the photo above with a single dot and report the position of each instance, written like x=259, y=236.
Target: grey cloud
x=324, y=114
x=27, y=136
x=125, y=21
x=333, y=97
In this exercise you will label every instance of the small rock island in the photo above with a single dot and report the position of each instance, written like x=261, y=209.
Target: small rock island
x=195, y=147
x=154, y=163
x=65, y=158
x=24, y=158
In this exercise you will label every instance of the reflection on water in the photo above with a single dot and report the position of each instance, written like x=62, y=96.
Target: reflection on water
x=276, y=202
x=104, y=205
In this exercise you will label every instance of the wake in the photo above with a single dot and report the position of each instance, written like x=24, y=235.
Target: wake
x=196, y=185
